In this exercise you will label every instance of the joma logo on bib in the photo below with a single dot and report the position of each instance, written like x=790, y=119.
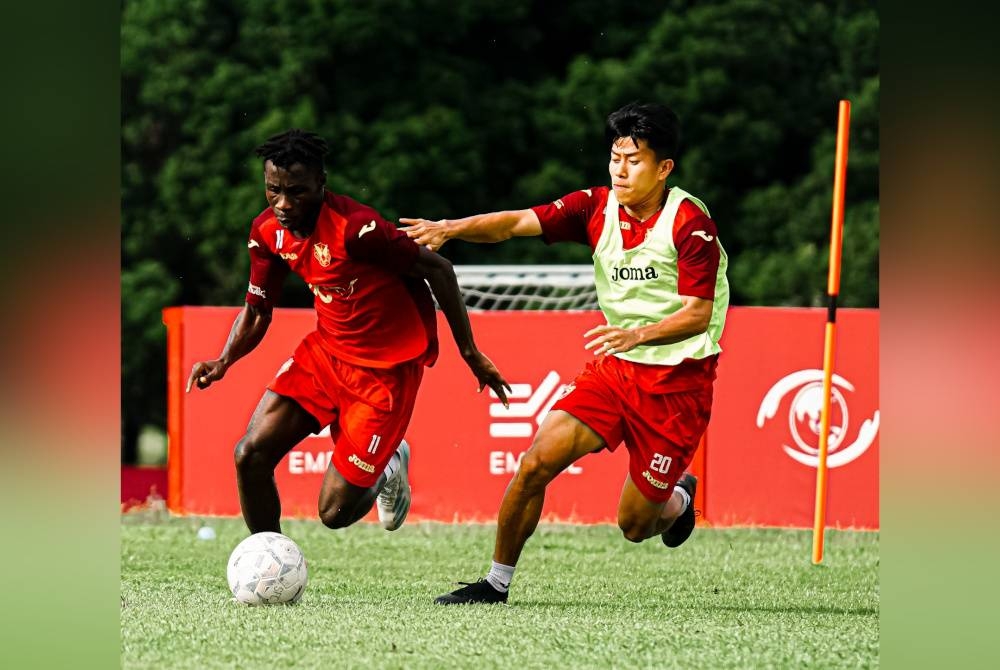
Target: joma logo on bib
x=633, y=274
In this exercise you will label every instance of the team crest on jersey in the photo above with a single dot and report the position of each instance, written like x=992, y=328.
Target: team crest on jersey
x=322, y=253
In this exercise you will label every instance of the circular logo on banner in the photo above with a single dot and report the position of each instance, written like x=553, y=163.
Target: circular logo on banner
x=804, y=415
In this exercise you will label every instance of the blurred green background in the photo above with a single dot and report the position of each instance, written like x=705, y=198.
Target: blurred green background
x=444, y=108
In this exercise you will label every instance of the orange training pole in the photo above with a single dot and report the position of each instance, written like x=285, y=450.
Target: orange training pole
x=832, y=289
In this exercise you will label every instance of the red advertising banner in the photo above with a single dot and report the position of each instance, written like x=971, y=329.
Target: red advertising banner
x=764, y=436
x=466, y=446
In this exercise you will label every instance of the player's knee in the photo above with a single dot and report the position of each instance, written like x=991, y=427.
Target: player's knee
x=633, y=529
x=247, y=454
x=634, y=533
x=333, y=516
x=533, y=473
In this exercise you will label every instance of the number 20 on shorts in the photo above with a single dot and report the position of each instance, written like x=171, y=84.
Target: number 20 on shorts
x=660, y=463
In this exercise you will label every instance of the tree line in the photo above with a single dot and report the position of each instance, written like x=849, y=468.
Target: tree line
x=444, y=108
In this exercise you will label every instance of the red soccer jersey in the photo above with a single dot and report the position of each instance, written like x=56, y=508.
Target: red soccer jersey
x=368, y=312
x=579, y=217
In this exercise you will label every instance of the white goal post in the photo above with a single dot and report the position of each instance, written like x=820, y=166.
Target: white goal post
x=536, y=287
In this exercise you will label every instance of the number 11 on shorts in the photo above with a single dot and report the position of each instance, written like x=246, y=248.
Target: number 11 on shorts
x=374, y=443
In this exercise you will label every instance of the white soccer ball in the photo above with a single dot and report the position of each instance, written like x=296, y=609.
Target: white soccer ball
x=267, y=568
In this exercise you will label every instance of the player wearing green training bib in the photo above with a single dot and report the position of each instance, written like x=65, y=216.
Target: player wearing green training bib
x=660, y=273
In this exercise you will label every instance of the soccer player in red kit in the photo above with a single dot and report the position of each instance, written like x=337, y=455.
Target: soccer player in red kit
x=359, y=371
x=659, y=270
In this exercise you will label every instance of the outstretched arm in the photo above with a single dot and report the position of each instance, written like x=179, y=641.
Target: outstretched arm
x=492, y=227
x=441, y=278
x=247, y=332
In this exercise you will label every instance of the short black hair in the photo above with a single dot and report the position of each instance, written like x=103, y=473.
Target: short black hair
x=657, y=124
x=294, y=146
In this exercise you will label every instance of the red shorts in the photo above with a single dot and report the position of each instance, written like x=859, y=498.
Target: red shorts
x=661, y=430
x=367, y=409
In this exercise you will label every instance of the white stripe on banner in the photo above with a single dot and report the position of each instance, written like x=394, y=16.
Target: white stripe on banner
x=510, y=430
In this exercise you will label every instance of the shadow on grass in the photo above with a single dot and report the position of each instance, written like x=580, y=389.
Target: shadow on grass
x=592, y=609
x=654, y=606
x=611, y=606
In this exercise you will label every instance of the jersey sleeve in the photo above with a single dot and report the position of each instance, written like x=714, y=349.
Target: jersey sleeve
x=371, y=239
x=267, y=273
x=697, y=257
x=566, y=219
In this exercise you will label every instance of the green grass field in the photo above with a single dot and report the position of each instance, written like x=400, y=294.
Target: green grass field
x=583, y=597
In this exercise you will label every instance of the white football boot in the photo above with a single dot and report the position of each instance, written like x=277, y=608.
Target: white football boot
x=393, y=500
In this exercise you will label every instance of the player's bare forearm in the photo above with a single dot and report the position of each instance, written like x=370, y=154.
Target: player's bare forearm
x=495, y=226
x=247, y=332
x=492, y=227
x=691, y=319
x=441, y=278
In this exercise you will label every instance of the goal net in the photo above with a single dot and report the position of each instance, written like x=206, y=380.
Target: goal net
x=539, y=287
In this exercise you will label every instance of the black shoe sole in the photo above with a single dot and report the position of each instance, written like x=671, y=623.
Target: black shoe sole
x=443, y=600
x=476, y=593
